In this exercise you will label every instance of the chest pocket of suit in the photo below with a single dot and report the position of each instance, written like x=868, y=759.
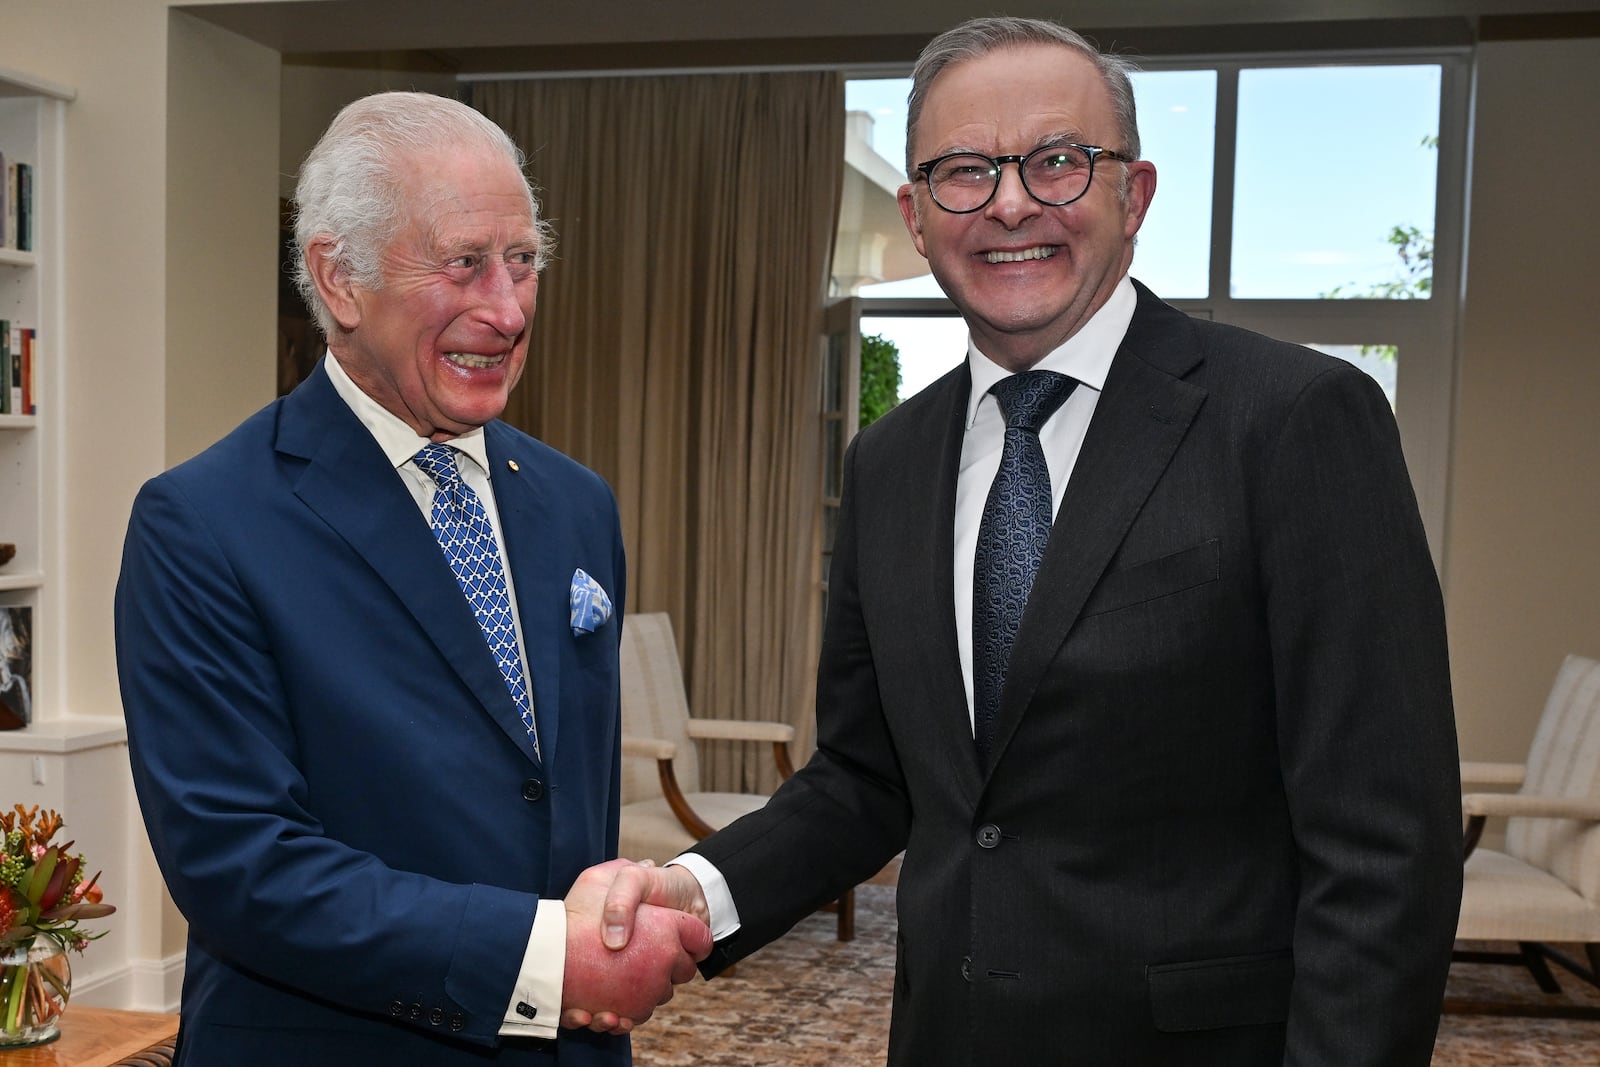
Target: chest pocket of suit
x=1157, y=578
x=1227, y=991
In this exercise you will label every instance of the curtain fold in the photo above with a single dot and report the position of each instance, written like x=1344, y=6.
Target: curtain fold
x=676, y=351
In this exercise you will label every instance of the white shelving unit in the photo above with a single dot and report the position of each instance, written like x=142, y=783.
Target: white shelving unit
x=32, y=117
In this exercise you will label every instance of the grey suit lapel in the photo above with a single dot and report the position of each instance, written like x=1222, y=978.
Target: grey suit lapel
x=350, y=485
x=1142, y=416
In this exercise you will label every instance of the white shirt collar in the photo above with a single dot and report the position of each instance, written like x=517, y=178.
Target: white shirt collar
x=399, y=442
x=1086, y=355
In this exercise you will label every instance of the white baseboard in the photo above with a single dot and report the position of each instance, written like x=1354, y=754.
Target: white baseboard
x=142, y=985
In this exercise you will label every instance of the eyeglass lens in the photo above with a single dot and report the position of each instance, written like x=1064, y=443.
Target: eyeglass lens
x=1056, y=175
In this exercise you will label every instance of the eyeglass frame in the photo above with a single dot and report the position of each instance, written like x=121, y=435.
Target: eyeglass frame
x=1094, y=152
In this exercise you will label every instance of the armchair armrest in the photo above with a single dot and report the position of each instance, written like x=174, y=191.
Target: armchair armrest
x=780, y=734
x=740, y=730
x=1479, y=807
x=664, y=752
x=1487, y=804
x=1481, y=773
x=649, y=748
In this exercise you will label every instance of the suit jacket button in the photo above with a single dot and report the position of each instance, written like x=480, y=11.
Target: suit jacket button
x=458, y=1021
x=533, y=789
x=989, y=836
x=397, y=1009
x=966, y=968
x=436, y=1016
x=416, y=1012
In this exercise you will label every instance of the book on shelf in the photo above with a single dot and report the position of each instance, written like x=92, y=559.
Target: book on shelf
x=24, y=198
x=16, y=666
x=6, y=406
x=29, y=398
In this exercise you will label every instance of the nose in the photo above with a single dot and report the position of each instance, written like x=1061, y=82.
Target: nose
x=1011, y=204
x=503, y=297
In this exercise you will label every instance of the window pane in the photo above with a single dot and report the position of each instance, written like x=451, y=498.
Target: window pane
x=883, y=101
x=1177, y=128
x=1335, y=184
x=1379, y=361
x=929, y=345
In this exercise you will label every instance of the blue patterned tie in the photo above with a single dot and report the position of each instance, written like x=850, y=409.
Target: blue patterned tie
x=1011, y=538
x=467, y=538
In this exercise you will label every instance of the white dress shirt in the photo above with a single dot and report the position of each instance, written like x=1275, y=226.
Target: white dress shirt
x=1085, y=356
x=544, y=960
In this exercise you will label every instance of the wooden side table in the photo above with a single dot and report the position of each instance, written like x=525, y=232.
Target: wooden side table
x=101, y=1037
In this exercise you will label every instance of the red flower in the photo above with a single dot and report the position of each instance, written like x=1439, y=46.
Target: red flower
x=11, y=905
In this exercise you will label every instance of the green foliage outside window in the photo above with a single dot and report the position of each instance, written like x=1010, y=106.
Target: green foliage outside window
x=1413, y=281
x=880, y=377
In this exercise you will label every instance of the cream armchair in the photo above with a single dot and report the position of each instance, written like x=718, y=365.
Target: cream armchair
x=664, y=810
x=1544, y=888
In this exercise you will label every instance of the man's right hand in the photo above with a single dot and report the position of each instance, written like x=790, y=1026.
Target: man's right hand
x=611, y=989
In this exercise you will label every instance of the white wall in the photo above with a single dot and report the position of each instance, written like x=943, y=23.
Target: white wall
x=1524, y=529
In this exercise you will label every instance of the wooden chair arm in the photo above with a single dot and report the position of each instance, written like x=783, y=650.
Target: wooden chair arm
x=780, y=734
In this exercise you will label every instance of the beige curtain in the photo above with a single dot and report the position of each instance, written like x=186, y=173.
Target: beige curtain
x=676, y=351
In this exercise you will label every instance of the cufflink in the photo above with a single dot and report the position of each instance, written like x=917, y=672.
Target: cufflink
x=526, y=1010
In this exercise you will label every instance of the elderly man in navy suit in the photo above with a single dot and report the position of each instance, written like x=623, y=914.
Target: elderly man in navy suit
x=368, y=653
x=1134, y=646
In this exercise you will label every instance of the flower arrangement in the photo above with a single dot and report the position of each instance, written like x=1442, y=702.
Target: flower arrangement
x=43, y=897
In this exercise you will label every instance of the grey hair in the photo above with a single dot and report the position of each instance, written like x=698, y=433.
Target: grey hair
x=978, y=37
x=351, y=185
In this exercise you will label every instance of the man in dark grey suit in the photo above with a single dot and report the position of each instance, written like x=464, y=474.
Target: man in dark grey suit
x=1206, y=810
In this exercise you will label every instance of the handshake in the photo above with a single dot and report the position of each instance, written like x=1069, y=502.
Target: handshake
x=634, y=930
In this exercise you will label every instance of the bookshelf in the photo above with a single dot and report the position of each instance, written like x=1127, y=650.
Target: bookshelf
x=32, y=117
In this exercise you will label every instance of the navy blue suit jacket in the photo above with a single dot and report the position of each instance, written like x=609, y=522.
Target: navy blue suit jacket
x=337, y=785
x=1220, y=825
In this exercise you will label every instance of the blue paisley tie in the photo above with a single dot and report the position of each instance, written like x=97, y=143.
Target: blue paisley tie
x=467, y=538
x=1011, y=537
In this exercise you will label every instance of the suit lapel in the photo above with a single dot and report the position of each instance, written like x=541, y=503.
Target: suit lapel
x=922, y=497
x=527, y=518
x=350, y=485
x=1141, y=417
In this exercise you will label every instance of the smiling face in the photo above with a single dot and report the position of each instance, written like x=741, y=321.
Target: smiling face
x=441, y=344
x=1025, y=276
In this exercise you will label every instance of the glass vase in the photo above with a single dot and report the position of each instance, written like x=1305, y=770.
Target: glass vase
x=35, y=983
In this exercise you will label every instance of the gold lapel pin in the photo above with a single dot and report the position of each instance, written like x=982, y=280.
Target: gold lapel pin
x=513, y=464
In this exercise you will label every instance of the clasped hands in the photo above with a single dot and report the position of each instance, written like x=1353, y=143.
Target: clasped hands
x=634, y=930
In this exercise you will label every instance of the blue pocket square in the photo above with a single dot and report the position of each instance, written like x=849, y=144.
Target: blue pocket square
x=591, y=608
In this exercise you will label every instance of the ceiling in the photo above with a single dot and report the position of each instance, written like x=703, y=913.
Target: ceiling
x=498, y=36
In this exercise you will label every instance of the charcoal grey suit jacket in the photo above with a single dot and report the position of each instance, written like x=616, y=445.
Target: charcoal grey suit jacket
x=1220, y=823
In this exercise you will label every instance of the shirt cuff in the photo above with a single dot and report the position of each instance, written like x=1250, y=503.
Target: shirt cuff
x=719, y=901
x=535, y=1008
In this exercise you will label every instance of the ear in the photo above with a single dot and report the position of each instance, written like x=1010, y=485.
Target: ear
x=907, y=200
x=1141, y=190
x=333, y=282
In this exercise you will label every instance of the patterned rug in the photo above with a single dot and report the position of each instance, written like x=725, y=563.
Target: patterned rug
x=808, y=1000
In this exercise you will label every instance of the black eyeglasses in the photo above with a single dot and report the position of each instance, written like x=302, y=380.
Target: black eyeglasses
x=1054, y=175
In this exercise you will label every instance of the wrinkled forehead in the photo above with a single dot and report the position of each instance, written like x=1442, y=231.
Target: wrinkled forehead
x=471, y=202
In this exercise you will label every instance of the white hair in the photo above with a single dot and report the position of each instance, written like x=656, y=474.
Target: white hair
x=351, y=185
